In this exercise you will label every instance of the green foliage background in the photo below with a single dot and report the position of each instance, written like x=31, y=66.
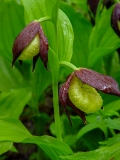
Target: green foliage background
x=77, y=41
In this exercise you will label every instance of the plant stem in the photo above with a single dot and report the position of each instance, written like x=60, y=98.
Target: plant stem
x=68, y=64
x=54, y=67
x=43, y=19
x=112, y=132
x=56, y=110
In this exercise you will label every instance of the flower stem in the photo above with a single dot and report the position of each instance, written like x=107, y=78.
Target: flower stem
x=54, y=68
x=68, y=64
x=56, y=110
x=43, y=19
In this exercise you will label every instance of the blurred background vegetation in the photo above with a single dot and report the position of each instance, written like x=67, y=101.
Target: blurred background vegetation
x=28, y=96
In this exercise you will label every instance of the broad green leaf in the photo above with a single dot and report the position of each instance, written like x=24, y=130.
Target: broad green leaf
x=113, y=123
x=5, y=146
x=40, y=80
x=92, y=155
x=52, y=9
x=112, y=106
x=65, y=37
x=81, y=3
x=11, y=78
x=82, y=29
x=13, y=102
x=10, y=26
x=38, y=9
x=53, y=147
x=12, y=129
x=103, y=39
x=91, y=126
x=114, y=140
x=104, y=153
x=98, y=54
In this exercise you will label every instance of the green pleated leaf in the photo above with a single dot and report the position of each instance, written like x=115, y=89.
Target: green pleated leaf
x=52, y=9
x=12, y=129
x=11, y=78
x=13, y=102
x=38, y=9
x=91, y=126
x=10, y=26
x=111, y=141
x=103, y=39
x=65, y=37
x=53, y=147
x=40, y=80
x=98, y=54
x=82, y=29
x=113, y=123
x=112, y=106
x=104, y=153
x=93, y=155
x=5, y=146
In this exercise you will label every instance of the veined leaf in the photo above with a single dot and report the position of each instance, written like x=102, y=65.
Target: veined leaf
x=82, y=29
x=5, y=146
x=90, y=127
x=12, y=129
x=104, y=153
x=113, y=123
x=10, y=26
x=103, y=40
x=10, y=78
x=13, y=102
x=52, y=9
x=65, y=37
x=98, y=53
x=53, y=147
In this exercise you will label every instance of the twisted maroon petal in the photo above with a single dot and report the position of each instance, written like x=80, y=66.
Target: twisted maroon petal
x=43, y=47
x=24, y=38
x=103, y=83
x=64, y=90
x=63, y=95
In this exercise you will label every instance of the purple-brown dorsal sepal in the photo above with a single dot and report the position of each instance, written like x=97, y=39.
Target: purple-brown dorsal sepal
x=78, y=111
x=101, y=82
x=115, y=19
x=43, y=47
x=24, y=38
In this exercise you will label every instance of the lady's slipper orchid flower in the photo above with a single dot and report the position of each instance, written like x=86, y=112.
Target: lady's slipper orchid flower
x=115, y=19
x=31, y=43
x=80, y=91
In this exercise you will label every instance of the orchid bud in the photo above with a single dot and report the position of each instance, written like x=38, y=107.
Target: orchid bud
x=80, y=91
x=115, y=19
x=31, y=43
